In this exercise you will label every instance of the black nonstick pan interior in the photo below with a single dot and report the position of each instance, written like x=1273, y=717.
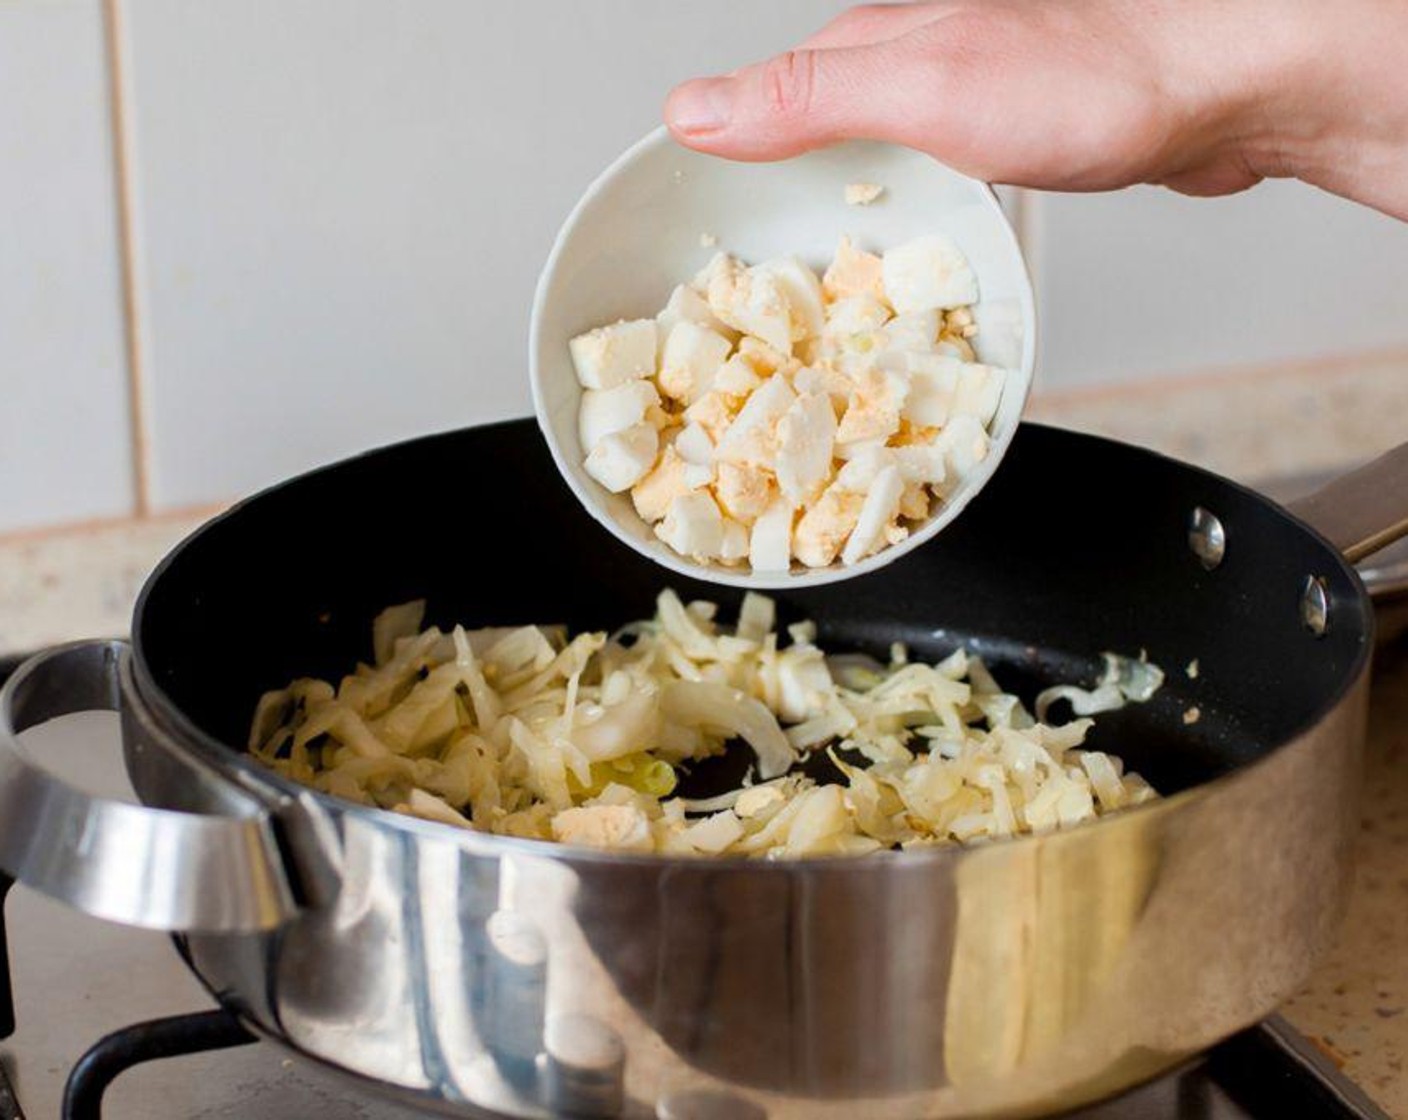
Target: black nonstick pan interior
x=1078, y=545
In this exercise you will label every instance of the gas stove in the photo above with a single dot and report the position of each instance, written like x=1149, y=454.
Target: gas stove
x=114, y=1015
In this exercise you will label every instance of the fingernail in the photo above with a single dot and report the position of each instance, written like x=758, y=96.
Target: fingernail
x=703, y=105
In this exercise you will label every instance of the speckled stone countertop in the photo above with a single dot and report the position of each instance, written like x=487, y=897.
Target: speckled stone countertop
x=1253, y=427
x=81, y=581
x=1355, y=1007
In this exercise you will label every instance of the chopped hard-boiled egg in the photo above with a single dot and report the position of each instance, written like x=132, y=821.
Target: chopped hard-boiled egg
x=926, y=273
x=770, y=543
x=744, y=491
x=713, y=412
x=806, y=437
x=979, y=392
x=623, y=828
x=751, y=438
x=853, y=272
x=767, y=416
x=824, y=527
x=881, y=507
x=623, y=458
x=802, y=292
x=607, y=356
x=690, y=361
x=853, y=315
x=862, y=194
x=913, y=332
x=736, y=378
x=606, y=411
x=687, y=305
x=695, y=445
x=667, y=480
x=693, y=526
x=965, y=445
x=751, y=300
x=933, y=388
x=873, y=412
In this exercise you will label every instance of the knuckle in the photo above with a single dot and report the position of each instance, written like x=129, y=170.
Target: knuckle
x=970, y=50
x=967, y=35
x=789, y=83
x=855, y=20
x=863, y=15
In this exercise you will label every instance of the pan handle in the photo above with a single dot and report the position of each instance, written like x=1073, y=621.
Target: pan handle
x=1363, y=511
x=153, y=868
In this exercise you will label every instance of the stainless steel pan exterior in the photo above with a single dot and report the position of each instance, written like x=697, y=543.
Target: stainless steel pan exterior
x=481, y=975
x=1018, y=978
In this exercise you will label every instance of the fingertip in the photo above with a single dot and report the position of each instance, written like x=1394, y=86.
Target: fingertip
x=699, y=108
x=712, y=115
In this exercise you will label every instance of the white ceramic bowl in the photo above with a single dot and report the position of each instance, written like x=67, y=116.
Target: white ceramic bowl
x=636, y=233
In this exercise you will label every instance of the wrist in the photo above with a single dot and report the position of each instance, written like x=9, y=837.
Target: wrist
x=1326, y=99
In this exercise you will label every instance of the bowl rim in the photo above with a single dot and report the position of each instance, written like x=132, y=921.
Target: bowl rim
x=835, y=572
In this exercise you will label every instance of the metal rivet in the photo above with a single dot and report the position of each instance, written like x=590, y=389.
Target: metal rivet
x=585, y=1067
x=1207, y=538
x=1315, y=605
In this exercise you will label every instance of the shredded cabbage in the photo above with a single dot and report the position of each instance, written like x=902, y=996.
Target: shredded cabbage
x=1124, y=679
x=523, y=732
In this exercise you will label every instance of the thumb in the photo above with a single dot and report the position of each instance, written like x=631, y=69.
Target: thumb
x=797, y=101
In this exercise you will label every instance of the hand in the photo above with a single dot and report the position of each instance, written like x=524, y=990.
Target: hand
x=1205, y=96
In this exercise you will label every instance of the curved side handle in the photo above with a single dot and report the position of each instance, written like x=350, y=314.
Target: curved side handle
x=153, y=868
x=1363, y=511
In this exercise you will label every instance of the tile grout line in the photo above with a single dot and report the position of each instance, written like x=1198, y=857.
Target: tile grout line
x=1027, y=222
x=120, y=128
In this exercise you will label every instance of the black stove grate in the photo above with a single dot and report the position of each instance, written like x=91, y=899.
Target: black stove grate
x=171, y=1037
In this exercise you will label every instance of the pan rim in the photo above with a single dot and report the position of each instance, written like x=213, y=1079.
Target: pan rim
x=253, y=778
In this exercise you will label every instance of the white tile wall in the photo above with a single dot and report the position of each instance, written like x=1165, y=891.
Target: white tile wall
x=65, y=451
x=1148, y=282
x=342, y=209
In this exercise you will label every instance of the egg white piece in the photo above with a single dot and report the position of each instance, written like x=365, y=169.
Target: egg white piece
x=609, y=355
x=605, y=411
x=927, y=273
x=622, y=459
